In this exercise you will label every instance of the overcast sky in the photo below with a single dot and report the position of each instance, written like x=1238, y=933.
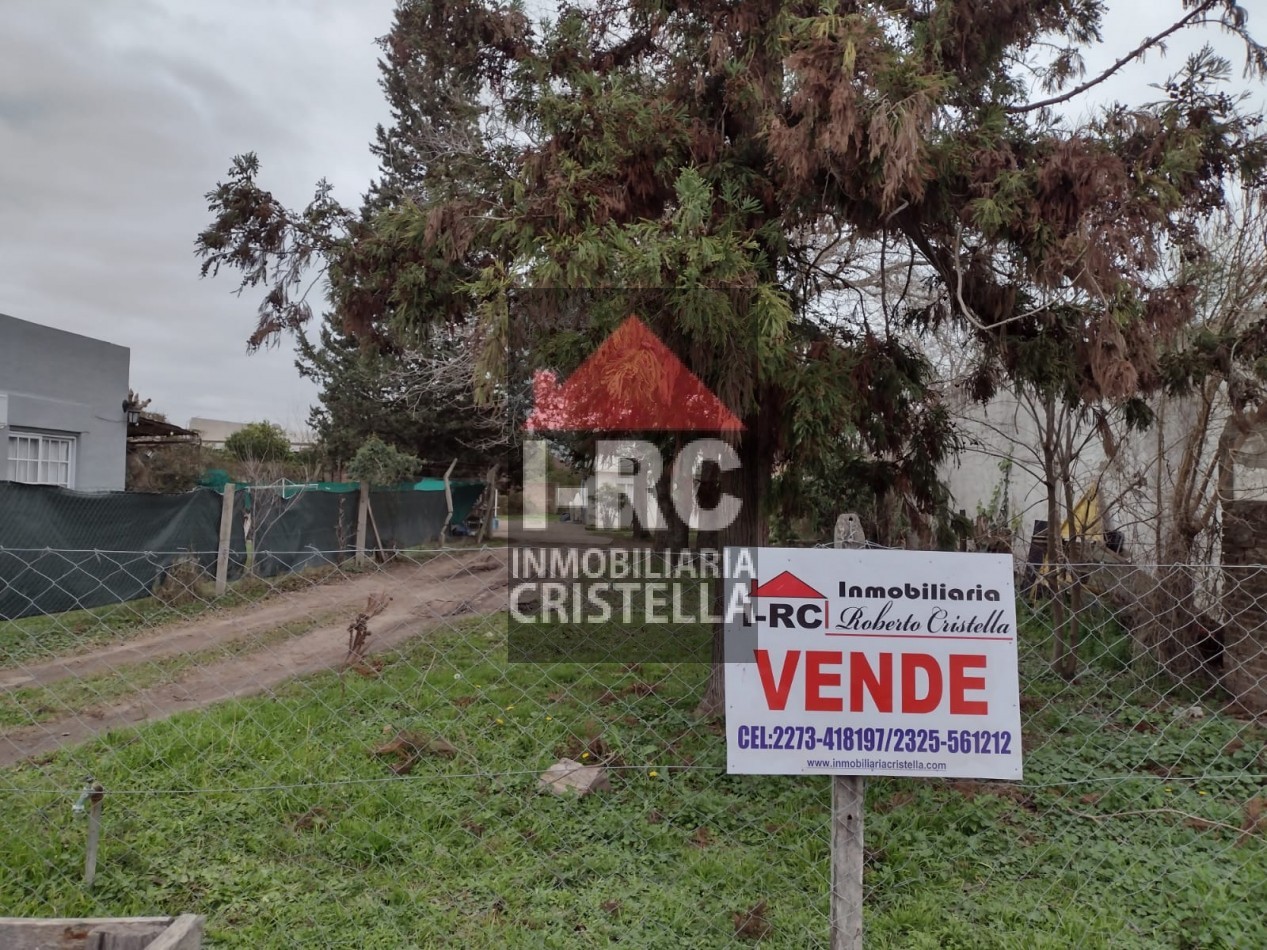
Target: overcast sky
x=117, y=117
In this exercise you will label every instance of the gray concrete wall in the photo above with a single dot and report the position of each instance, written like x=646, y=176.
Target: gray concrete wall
x=66, y=384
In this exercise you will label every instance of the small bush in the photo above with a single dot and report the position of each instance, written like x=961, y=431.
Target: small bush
x=378, y=463
x=183, y=582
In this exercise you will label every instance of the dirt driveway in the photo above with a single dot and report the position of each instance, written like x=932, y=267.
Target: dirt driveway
x=423, y=597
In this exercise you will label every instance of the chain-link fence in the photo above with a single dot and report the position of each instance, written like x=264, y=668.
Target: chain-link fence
x=344, y=756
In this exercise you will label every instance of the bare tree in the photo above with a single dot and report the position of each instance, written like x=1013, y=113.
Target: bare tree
x=1172, y=475
x=272, y=495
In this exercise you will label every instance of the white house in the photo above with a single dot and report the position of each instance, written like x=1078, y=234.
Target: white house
x=62, y=407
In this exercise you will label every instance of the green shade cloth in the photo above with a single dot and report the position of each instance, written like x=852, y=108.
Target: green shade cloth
x=65, y=550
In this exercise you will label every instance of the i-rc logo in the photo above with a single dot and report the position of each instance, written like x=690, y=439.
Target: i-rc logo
x=599, y=597
x=787, y=602
x=632, y=383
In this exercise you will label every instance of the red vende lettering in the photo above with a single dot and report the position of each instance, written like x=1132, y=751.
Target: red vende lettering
x=824, y=670
x=816, y=679
x=776, y=694
x=912, y=662
x=959, y=684
x=863, y=677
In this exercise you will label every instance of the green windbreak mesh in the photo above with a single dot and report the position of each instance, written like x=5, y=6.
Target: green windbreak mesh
x=63, y=550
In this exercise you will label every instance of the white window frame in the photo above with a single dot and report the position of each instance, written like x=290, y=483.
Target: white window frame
x=37, y=468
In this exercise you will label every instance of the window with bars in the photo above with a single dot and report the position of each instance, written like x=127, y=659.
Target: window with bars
x=41, y=459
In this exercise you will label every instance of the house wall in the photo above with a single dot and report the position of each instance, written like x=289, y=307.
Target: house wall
x=1003, y=431
x=600, y=506
x=215, y=432
x=66, y=384
x=1137, y=485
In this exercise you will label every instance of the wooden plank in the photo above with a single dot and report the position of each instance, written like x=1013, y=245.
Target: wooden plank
x=185, y=933
x=226, y=530
x=846, y=861
x=109, y=937
x=70, y=933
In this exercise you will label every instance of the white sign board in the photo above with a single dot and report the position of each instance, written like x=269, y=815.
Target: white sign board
x=848, y=662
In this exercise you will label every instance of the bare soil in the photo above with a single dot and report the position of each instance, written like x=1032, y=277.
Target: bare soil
x=424, y=597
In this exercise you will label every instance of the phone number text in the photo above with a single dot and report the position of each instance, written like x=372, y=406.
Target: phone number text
x=876, y=739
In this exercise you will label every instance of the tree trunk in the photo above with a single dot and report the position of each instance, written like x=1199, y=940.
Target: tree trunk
x=640, y=533
x=1067, y=665
x=1055, y=558
x=1245, y=597
x=750, y=483
x=674, y=534
x=707, y=497
x=1173, y=632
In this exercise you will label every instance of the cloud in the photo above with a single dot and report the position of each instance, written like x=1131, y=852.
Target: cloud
x=116, y=119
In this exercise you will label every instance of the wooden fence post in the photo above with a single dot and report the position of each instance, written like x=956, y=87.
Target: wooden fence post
x=94, y=835
x=490, y=505
x=362, y=517
x=378, y=538
x=226, y=532
x=847, y=797
x=448, y=500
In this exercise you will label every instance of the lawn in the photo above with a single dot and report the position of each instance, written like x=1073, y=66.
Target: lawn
x=272, y=817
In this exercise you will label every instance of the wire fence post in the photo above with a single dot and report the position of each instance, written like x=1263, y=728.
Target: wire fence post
x=490, y=505
x=91, y=796
x=847, y=803
x=448, y=502
x=226, y=531
x=362, y=520
x=378, y=538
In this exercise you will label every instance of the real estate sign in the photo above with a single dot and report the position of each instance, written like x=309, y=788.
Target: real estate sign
x=857, y=662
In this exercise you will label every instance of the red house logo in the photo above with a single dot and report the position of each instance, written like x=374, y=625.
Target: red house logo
x=793, y=603
x=631, y=383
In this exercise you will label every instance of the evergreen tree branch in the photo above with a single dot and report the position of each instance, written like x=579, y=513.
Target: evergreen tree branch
x=1149, y=43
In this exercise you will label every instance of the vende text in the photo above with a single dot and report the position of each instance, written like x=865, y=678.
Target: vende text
x=914, y=683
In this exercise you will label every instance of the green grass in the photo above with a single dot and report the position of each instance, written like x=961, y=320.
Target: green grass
x=31, y=640
x=271, y=817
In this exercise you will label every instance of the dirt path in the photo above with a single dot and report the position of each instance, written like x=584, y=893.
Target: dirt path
x=424, y=597
x=224, y=626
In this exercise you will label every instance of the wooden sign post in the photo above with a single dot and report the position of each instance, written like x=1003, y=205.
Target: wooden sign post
x=880, y=662
x=847, y=794
x=846, y=861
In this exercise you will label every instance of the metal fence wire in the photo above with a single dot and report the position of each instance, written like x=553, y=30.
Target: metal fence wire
x=346, y=755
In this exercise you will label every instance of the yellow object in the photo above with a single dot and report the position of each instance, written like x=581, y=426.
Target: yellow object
x=1086, y=518
x=1085, y=522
